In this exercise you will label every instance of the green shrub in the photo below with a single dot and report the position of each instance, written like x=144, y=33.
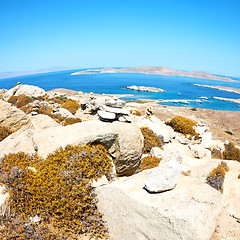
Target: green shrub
x=59, y=192
x=148, y=163
x=216, y=177
x=231, y=152
x=150, y=140
x=4, y=132
x=193, y=109
x=183, y=125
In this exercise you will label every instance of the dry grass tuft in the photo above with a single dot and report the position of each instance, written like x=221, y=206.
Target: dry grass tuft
x=148, y=163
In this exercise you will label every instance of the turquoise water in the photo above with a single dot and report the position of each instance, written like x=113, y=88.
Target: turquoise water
x=113, y=83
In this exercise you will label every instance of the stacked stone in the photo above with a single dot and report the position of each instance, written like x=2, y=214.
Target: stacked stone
x=113, y=110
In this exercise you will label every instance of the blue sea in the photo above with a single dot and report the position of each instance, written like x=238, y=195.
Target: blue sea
x=112, y=83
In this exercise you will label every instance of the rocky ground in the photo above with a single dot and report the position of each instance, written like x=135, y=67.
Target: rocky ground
x=171, y=201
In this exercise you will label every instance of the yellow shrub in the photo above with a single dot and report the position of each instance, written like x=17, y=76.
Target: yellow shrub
x=71, y=105
x=59, y=191
x=20, y=101
x=70, y=121
x=4, y=132
x=150, y=140
x=183, y=125
x=148, y=162
x=136, y=112
x=216, y=177
x=231, y=152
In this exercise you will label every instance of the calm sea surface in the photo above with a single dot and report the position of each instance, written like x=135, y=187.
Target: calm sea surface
x=112, y=83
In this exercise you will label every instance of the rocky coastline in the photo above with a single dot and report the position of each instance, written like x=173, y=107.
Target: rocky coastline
x=171, y=199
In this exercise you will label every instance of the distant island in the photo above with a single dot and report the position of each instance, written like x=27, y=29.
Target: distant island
x=158, y=71
x=222, y=88
x=145, y=89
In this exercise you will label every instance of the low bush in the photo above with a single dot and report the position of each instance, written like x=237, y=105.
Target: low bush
x=228, y=132
x=231, y=152
x=193, y=109
x=20, y=101
x=58, y=190
x=239, y=176
x=71, y=105
x=4, y=132
x=70, y=121
x=148, y=163
x=136, y=112
x=150, y=140
x=216, y=177
x=183, y=125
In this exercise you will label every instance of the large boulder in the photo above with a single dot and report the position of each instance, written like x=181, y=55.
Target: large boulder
x=28, y=90
x=12, y=117
x=20, y=141
x=41, y=121
x=187, y=212
x=124, y=141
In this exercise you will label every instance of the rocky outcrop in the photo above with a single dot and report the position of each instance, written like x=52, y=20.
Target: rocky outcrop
x=182, y=213
x=20, y=141
x=42, y=121
x=123, y=140
x=12, y=117
x=28, y=90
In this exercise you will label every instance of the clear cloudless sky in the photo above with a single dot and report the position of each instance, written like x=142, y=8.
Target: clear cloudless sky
x=181, y=34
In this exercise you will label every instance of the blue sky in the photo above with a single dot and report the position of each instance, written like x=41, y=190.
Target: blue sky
x=184, y=35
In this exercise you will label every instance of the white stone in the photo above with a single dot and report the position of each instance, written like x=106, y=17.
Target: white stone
x=3, y=201
x=115, y=103
x=199, y=151
x=115, y=110
x=106, y=115
x=157, y=152
x=164, y=177
x=65, y=113
x=206, y=140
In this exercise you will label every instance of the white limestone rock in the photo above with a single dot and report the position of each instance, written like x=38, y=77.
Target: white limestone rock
x=164, y=177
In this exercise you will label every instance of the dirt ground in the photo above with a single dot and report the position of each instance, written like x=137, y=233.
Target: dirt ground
x=217, y=121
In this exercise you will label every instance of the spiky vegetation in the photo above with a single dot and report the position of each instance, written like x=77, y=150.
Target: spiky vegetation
x=183, y=125
x=71, y=105
x=58, y=190
x=148, y=163
x=136, y=112
x=150, y=140
x=4, y=132
x=70, y=121
x=231, y=152
x=216, y=177
x=20, y=101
